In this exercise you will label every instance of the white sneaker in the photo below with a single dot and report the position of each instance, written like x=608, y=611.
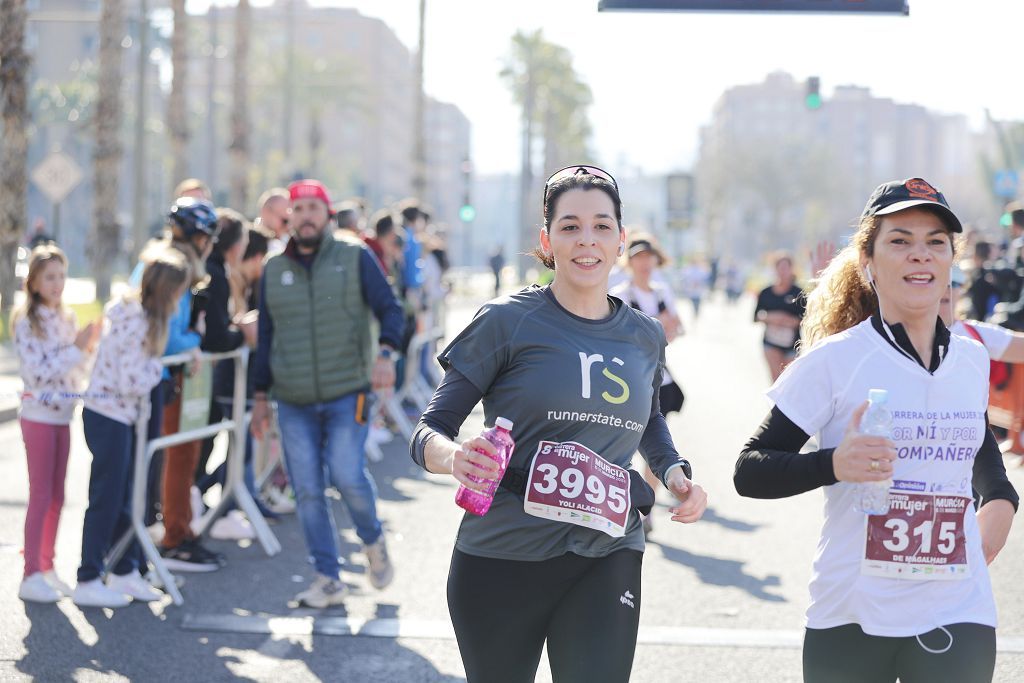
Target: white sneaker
x=95, y=594
x=36, y=588
x=381, y=570
x=156, y=532
x=323, y=592
x=232, y=527
x=58, y=585
x=279, y=502
x=134, y=586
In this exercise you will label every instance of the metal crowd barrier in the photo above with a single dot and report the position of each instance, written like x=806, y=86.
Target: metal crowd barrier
x=415, y=388
x=234, y=486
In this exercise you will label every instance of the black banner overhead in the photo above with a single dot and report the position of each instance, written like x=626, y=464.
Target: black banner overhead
x=901, y=7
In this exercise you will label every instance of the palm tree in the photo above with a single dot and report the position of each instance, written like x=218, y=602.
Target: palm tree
x=521, y=75
x=107, y=154
x=553, y=100
x=566, y=128
x=177, y=120
x=240, y=109
x=14, y=63
x=314, y=99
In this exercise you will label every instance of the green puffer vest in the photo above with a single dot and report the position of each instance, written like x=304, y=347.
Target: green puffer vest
x=322, y=347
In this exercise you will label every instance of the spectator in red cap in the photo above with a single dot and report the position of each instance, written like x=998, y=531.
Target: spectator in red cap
x=317, y=358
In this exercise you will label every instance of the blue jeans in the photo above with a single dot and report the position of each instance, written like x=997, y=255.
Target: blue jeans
x=324, y=444
x=110, y=495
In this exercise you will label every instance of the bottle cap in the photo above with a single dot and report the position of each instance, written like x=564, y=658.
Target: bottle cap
x=878, y=396
x=503, y=423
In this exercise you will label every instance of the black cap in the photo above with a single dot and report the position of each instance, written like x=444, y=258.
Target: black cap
x=898, y=195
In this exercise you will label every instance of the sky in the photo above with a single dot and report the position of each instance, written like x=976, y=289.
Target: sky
x=655, y=77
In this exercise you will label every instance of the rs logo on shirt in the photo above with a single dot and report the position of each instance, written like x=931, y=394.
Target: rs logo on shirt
x=585, y=369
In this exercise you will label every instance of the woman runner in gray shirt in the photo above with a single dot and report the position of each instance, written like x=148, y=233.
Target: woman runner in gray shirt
x=557, y=557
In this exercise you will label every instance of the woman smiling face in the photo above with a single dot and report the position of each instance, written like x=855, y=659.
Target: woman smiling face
x=913, y=255
x=584, y=239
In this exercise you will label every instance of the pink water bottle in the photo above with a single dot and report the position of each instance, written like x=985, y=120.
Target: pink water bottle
x=499, y=435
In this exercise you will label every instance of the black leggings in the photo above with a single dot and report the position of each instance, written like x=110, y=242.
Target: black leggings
x=588, y=610
x=845, y=654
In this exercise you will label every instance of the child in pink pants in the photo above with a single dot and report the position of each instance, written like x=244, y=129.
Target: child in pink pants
x=54, y=355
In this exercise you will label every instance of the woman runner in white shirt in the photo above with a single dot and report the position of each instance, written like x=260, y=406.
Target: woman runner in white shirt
x=904, y=594
x=655, y=298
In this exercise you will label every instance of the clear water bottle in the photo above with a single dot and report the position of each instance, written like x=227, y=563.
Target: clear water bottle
x=872, y=497
x=477, y=502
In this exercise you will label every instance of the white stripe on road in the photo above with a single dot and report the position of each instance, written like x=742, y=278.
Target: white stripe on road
x=433, y=629
x=320, y=626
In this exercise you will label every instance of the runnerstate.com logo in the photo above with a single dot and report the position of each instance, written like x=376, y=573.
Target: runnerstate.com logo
x=586, y=361
x=627, y=599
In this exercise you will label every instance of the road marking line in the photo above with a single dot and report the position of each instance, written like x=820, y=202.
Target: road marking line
x=442, y=630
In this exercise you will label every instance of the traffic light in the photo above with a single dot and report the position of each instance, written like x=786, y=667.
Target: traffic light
x=812, y=100
x=467, y=212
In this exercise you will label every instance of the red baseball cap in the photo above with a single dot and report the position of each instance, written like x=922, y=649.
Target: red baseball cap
x=306, y=188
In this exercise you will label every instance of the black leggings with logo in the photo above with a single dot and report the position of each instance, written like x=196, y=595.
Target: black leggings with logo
x=587, y=609
x=845, y=654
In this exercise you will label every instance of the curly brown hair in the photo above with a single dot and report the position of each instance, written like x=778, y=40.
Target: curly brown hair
x=841, y=296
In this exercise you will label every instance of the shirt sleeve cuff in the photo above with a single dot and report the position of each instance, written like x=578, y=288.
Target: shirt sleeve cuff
x=686, y=470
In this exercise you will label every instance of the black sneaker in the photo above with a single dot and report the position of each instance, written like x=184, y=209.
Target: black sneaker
x=191, y=557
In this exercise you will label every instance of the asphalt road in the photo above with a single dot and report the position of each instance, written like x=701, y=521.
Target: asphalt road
x=723, y=599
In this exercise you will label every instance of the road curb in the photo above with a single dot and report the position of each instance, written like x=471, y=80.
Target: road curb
x=8, y=414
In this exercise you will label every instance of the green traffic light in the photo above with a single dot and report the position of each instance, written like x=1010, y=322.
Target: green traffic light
x=813, y=101
x=467, y=213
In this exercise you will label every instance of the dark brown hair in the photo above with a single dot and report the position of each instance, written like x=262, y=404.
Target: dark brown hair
x=231, y=228
x=579, y=181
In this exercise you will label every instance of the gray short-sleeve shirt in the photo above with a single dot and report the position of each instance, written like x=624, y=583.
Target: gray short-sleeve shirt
x=558, y=377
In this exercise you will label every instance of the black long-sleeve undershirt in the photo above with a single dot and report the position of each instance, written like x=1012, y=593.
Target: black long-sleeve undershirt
x=221, y=334
x=456, y=397
x=771, y=465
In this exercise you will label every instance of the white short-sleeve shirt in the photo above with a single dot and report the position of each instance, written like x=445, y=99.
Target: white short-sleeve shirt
x=648, y=302
x=995, y=338
x=939, y=425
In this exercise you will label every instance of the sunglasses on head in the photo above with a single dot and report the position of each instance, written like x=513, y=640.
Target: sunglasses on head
x=570, y=171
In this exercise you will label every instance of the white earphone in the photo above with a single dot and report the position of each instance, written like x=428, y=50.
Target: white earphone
x=867, y=270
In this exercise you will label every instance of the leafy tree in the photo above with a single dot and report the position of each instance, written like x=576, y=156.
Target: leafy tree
x=177, y=116
x=14, y=64
x=240, y=124
x=554, y=102
x=105, y=244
